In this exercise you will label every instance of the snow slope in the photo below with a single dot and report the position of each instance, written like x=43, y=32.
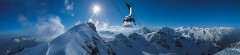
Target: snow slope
x=134, y=44
x=233, y=49
x=81, y=39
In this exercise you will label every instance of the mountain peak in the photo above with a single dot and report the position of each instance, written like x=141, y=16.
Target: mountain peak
x=81, y=39
x=79, y=26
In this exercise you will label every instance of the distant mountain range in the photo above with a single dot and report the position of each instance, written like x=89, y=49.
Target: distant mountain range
x=85, y=39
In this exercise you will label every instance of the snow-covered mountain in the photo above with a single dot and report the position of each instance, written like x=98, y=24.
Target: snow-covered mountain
x=86, y=39
x=79, y=40
x=12, y=45
x=233, y=49
x=180, y=41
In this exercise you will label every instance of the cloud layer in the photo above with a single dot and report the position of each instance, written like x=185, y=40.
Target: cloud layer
x=48, y=29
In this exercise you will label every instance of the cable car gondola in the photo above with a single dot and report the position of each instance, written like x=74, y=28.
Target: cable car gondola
x=129, y=20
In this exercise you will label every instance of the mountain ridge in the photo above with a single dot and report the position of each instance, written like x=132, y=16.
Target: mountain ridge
x=86, y=39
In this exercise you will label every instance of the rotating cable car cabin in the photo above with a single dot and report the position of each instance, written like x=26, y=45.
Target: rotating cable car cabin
x=129, y=20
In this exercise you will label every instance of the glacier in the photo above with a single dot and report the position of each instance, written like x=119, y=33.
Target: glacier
x=86, y=39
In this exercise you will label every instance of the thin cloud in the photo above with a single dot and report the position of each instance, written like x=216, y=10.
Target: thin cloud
x=48, y=29
x=23, y=21
x=69, y=7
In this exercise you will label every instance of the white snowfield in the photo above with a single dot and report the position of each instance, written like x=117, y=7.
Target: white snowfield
x=85, y=39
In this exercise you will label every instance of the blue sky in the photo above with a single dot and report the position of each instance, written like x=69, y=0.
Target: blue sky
x=172, y=13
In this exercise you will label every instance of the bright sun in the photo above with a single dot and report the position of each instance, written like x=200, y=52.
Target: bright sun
x=96, y=9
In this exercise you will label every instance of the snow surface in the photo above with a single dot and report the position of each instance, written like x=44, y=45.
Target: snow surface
x=86, y=39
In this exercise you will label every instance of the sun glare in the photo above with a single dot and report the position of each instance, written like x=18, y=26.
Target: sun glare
x=96, y=9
